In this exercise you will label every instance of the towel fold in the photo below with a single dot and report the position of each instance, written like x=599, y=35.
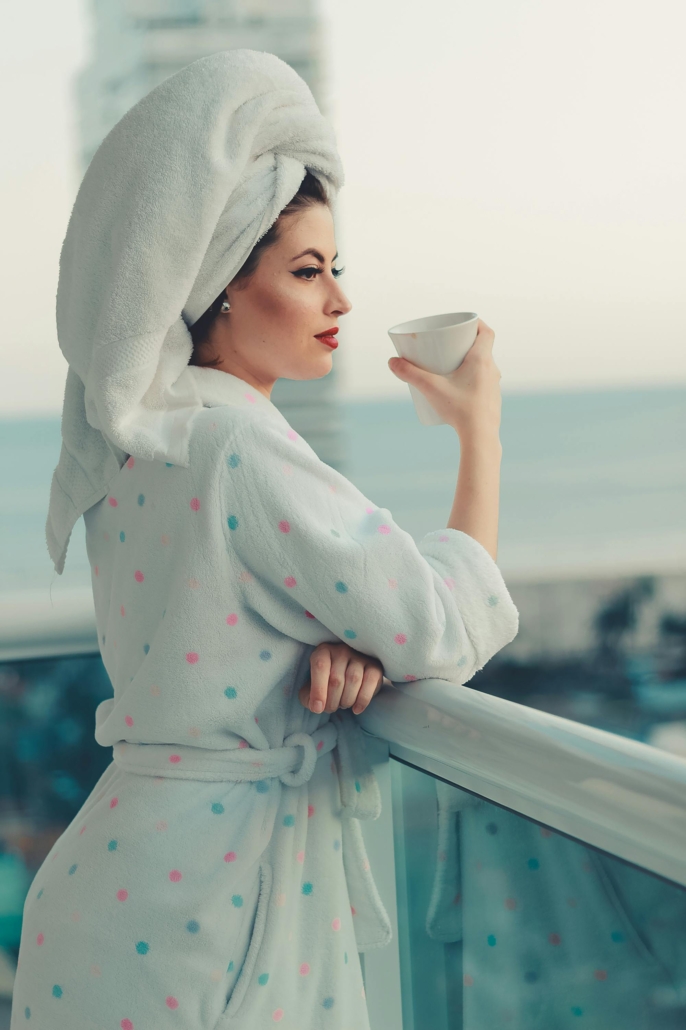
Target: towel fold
x=170, y=207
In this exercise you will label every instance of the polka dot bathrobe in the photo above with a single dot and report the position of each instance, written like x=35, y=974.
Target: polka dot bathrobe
x=216, y=877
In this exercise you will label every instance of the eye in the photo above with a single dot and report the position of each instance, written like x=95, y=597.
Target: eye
x=311, y=271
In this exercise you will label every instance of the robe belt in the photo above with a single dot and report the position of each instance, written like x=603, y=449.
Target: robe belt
x=293, y=764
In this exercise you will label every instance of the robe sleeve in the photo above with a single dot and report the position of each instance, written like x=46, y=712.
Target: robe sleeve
x=321, y=554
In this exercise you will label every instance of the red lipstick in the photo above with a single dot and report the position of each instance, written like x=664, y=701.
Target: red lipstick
x=329, y=337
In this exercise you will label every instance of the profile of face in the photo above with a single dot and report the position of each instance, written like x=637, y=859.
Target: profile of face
x=271, y=329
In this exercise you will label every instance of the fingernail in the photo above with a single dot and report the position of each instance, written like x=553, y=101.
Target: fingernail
x=317, y=707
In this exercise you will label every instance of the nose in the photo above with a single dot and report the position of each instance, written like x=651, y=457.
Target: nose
x=339, y=303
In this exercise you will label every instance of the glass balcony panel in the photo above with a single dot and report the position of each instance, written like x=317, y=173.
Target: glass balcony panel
x=504, y=923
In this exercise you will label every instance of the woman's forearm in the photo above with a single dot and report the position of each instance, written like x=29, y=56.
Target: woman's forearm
x=477, y=494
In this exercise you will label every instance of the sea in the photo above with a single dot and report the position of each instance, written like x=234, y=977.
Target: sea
x=593, y=483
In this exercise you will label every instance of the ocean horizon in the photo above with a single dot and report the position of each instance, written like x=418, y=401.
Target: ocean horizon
x=592, y=483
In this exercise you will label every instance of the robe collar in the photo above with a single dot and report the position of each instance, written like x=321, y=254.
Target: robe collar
x=216, y=387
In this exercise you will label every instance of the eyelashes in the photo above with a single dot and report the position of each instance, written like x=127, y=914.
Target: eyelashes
x=317, y=271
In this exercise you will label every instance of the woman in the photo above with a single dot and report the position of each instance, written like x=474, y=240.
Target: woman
x=216, y=876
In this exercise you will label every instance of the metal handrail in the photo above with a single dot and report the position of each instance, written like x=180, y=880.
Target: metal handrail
x=616, y=794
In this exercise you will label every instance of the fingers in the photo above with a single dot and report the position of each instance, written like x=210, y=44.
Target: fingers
x=371, y=683
x=320, y=667
x=353, y=681
x=337, y=677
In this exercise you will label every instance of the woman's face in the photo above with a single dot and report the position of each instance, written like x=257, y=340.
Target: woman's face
x=270, y=331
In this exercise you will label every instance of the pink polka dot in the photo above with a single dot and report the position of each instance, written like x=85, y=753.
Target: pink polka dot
x=155, y=690
x=320, y=745
x=335, y=924
x=600, y=974
x=332, y=488
x=300, y=857
x=81, y=830
x=126, y=1024
x=128, y=719
x=192, y=657
x=400, y=638
x=369, y=510
x=545, y=832
x=304, y=969
x=309, y=615
x=554, y=938
x=230, y=856
x=232, y=619
x=138, y=576
x=287, y=469
x=250, y=397
x=510, y=904
x=97, y=570
x=114, y=802
x=289, y=581
x=122, y=895
x=310, y=811
x=457, y=899
x=161, y=824
x=171, y=1002
x=122, y=610
x=449, y=582
x=277, y=1015
x=40, y=938
x=468, y=980
x=245, y=577
x=285, y=526
x=292, y=435
x=409, y=678
x=164, y=539
x=195, y=503
x=393, y=584
x=384, y=529
x=175, y=758
x=444, y=539
x=280, y=900
x=175, y=876
x=113, y=501
x=106, y=536
x=243, y=743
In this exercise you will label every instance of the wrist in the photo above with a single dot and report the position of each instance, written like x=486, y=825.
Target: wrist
x=481, y=438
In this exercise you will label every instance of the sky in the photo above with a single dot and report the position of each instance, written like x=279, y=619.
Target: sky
x=516, y=158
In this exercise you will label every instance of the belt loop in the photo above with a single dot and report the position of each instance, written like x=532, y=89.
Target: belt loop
x=301, y=775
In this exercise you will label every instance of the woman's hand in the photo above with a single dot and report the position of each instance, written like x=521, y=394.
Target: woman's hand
x=341, y=677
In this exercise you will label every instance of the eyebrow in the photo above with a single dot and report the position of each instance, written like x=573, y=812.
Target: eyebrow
x=315, y=253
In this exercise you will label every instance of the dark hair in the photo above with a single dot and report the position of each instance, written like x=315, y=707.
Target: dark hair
x=309, y=192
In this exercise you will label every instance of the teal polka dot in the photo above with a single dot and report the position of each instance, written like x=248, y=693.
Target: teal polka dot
x=336, y=845
x=265, y=655
x=345, y=958
x=263, y=979
x=261, y=786
x=531, y=977
x=349, y=633
x=169, y=464
x=307, y=888
x=193, y=926
x=231, y=692
x=122, y=536
x=218, y=808
x=72, y=869
x=57, y=991
x=237, y=901
x=576, y=1011
x=462, y=660
x=328, y=1003
x=533, y=863
x=491, y=941
x=289, y=820
x=40, y=892
x=233, y=461
x=27, y=1012
x=358, y=788
x=146, y=648
x=493, y=600
x=229, y=968
x=492, y=828
x=103, y=638
x=334, y=532
x=142, y=947
x=164, y=613
x=141, y=500
x=341, y=587
x=232, y=521
x=617, y=936
x=112, y=846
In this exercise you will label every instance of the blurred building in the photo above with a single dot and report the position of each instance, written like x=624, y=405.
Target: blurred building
x=136, y=44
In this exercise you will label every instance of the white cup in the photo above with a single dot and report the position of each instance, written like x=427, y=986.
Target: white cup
x=437, y=344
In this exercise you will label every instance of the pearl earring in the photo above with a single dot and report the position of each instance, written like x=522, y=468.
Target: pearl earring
x=225, y=306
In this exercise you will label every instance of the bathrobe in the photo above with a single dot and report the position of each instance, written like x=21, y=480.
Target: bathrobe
x=216, y=876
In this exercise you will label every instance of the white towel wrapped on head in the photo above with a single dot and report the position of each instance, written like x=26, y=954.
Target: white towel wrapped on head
x=170, y=207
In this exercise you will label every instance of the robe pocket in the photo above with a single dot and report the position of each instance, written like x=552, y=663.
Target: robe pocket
x=246, y=975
